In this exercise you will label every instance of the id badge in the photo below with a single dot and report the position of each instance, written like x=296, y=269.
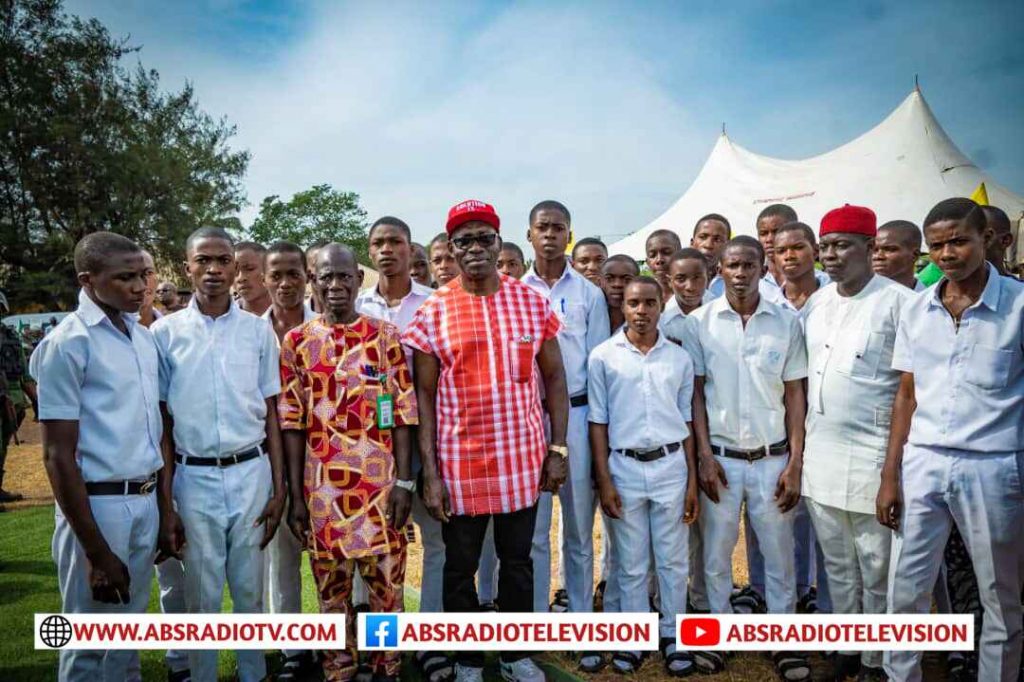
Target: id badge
x=385, y=412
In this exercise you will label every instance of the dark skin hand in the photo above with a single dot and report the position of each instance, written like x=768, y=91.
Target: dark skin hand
x=109, y=579
x=295, y=457
x=709, y=472
x=889, y=502
x=171, y=538
x=426, y=369
x=787, y=490
x=552, y=373
x=274, y=509
x=400, y=499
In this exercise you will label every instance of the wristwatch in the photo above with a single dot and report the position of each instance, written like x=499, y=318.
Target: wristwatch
x=560, y=450
x=409, y=485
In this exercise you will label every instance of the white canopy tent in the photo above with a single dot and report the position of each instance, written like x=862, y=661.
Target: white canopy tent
x=900, y=169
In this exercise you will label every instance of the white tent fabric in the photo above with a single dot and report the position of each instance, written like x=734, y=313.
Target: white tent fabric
x=900, y=169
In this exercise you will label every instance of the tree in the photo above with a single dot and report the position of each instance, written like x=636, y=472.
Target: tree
x=320, y=213
x=88, y=145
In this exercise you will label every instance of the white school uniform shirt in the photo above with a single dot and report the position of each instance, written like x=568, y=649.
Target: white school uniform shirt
x=371, y=303
x=681, y=329
x=767, y=287
x=89, y=372
x=307, y=315
x=644, y=399
x=850, y=390
x=968, y=384
x=745, y=370
x=215, y=376
x=919, y=286
x=581, y=308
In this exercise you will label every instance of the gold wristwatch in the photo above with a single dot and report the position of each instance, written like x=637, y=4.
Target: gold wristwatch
x=560, y=450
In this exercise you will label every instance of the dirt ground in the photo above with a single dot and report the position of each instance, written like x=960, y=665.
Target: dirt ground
x=26, y=475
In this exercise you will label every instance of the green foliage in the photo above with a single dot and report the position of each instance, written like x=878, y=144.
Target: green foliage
x=318, y=214
x=89, y=145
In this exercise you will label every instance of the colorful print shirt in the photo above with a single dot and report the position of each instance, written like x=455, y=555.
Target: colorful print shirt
x=331, y=378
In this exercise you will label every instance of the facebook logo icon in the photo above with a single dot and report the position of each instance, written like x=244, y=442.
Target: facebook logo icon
x=381, y=630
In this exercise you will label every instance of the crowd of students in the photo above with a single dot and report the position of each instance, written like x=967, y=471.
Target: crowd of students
x=852, y=421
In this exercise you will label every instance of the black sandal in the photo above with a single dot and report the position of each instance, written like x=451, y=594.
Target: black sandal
x=747, y=601
x=791, y=666
x=591, y=667
x=625, y=662
x=295, y=667
x=708, y=662
x=434, y=665
x=560, y=604
x=809, y=602
x=676, y=657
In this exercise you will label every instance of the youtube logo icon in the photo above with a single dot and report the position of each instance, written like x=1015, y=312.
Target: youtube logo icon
x=699, y=632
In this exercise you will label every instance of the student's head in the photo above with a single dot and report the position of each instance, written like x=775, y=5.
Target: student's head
x=210, y=261
x=897, y=246
x=1002, y=238
x=311, y=252
x=768, y=223
x=742, y=267
x=442, y=263
x=285, y=275
x=958, y=237
x=618, y=271
x=249, y=270
x=167, y=294
x=641, y=304
x=151, y=278
x=337, y=280
x=659, y=247
x=390, y=240
x=419, y=265
x=112, y=270
x=511, y=262
x=550, y=230
x=847, y=241
x=796, y=250
x=588, y=255
x=710, y=235
x=688, y=277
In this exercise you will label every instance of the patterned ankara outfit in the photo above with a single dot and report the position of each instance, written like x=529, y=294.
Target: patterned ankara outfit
x=332, y=377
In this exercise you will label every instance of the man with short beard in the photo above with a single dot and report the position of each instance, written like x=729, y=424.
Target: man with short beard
x=285, y=280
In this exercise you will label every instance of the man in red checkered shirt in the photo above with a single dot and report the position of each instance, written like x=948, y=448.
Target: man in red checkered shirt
x=481, y=343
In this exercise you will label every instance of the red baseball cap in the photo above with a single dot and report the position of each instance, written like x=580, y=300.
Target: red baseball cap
x=471, y=209
x=850, y=220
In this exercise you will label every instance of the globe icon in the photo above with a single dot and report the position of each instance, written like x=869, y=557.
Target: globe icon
x=55, y=631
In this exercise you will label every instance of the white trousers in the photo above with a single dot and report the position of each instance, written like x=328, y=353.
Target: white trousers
x=129, y=524
x=432, y=583
x=170, y=577
x=282, y=575
x=653, y=496
x=754, y=483
x=698, y=590
x=983, y=494
x=219, y=507
x=856, y=551
x=577, y=501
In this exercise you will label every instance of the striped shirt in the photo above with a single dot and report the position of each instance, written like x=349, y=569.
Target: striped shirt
x=490, y=433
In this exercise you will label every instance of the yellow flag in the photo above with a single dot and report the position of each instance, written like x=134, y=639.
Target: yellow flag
x=570, y=245
x=980, y=195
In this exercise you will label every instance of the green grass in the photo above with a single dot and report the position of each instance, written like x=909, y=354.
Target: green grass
x=28, y=585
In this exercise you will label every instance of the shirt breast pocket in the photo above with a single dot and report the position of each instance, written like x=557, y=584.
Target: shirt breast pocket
x=573, y=316
x=243, y=368
x=864, y=356
x=989, y=367
x=771, y=356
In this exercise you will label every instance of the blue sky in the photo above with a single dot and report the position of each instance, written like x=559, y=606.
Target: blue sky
x=611, y=108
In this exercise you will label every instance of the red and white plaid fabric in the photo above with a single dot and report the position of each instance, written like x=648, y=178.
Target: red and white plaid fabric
x=490, y=433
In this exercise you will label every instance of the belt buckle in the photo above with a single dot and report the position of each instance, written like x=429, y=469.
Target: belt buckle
x=147, y=487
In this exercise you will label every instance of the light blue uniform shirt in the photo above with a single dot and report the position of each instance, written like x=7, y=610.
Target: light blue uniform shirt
x=644, y=399
x=215, y=376
x=581, y=308
x=89, y=371
x=969, y=384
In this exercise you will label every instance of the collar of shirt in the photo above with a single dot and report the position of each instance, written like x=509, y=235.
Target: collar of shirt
x=307, y=313
x=193, y=309
x=373, y=294
x=989, y=295
x=764, y=307
x=531, y=277
x=620, y=339
x=92, y=314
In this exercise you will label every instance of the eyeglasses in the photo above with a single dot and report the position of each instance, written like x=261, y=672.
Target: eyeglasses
x=485, y=240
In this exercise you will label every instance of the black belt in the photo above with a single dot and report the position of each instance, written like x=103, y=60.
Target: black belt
x=651, y=455
x=578, y=400
x=122, y=487
x=236, y=458
x=780, y=448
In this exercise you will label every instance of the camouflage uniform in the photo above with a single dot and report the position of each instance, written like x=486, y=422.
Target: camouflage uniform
x=13, y=399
